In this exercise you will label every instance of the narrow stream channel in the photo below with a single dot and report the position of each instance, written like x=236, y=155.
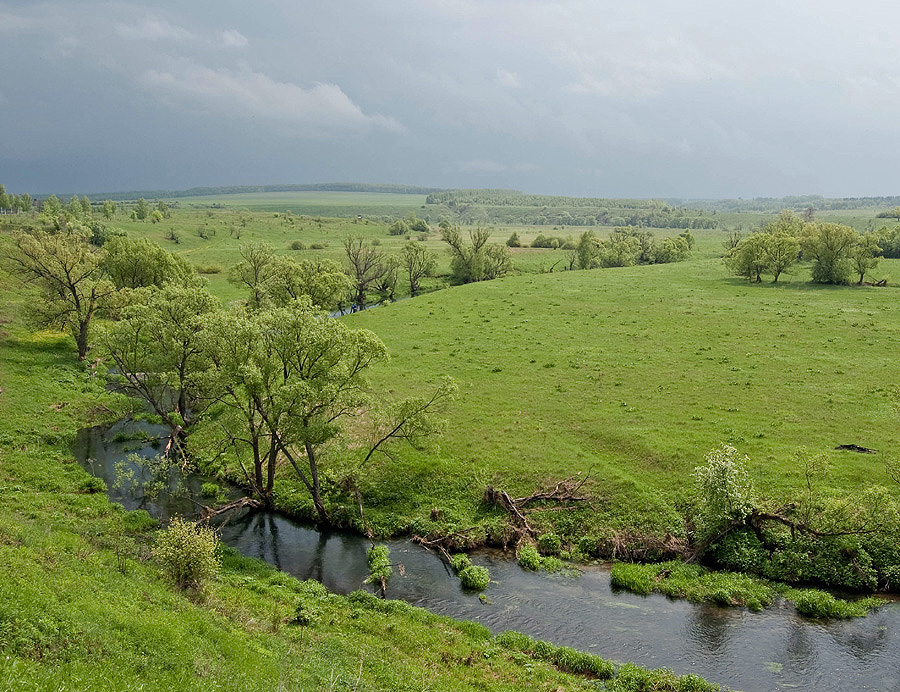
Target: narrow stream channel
x=755, y=652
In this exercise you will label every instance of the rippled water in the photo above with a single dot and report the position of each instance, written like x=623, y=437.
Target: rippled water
x=754, y=652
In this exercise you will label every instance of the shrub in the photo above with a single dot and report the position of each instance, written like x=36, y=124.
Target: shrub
x=318, y=246
x=187, y=553
x=549, y=544
x=529, y=558
x=211, y=268
x=474, y=577
x=209, y=489
x=298, y=245
x=513, y=240
x=93, y=485
x=459, y=562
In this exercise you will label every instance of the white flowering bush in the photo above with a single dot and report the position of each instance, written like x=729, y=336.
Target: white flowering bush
x=187, y=553
x=725, y=490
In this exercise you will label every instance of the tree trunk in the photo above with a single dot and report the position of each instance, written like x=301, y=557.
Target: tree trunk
x=82, y=339
x=315, y=490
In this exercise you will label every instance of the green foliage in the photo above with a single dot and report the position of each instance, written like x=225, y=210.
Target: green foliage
x=549, y=544
x=141, y=209
x=209, y=489
x=528, y=557
x=513, y=240
x=138, y=263
x=298, y=245
x=187, y=553
x=828, y=245
x=475, y=260
x=724, y=490
x=399, y=227
x=474, y=577
x=821, y=604
x=379, y=560
x=460, y=561
x=693, y=582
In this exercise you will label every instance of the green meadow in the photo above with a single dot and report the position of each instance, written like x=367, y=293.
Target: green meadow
x=83, y=607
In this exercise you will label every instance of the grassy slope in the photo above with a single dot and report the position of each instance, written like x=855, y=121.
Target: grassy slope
x=70, y=620
x=633, y=373
x=636, y=373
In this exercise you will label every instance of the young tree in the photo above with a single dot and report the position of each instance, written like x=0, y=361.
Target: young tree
x=865, y=255
x=86, y=210
x=51, y=208
x=418, y=263
x=254, y=271
x=386, y=284
x=475, y=261
x=587, y=250
x=749, y=257
x=780, y=252
x=70, y=272
x=109, y=209
x=365, y=267
x=399, y=227
x=142, y=209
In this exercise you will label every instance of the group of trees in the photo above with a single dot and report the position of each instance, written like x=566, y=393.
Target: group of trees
x=475, y=260
x=626, y=247
x=17, y=203
x=271, y=383
x=837, y=252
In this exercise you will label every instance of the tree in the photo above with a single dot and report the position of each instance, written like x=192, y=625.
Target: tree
x=587, y=250
x=322, y=281
x=108, y=209
x=70, y=272
x=156, y=216
x=86, y=209
x=749, y=257
x=4, y=198
x=513, y=240
x=828, y=246
x=141, y=209
x=890, y=214
x=780, y=252
x=138, y=263
x=475, y=261
x=365, y=267
x=724, y=490
x=284, y=379
x=418, y=263
x=386, y=283
x=254, y=271
x=156, y=347
x=399, y=227
x=51, y=208
x=865, y=255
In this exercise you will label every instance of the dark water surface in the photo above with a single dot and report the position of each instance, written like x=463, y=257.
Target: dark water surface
x=754, y=652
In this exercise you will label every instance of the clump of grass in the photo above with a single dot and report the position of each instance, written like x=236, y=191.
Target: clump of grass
x=693, y=582
x=821, y=604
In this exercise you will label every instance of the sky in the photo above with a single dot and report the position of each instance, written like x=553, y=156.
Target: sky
x=654, y=98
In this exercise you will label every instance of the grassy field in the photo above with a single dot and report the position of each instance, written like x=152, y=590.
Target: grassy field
x=83, y=608
x=314, y=203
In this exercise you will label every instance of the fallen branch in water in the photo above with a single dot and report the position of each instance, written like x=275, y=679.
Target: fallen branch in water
x=243, y=503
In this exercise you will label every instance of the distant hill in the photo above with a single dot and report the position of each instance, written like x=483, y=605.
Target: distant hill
x=386, y=188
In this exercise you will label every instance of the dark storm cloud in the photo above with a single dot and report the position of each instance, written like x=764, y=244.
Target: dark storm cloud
x=640, y=99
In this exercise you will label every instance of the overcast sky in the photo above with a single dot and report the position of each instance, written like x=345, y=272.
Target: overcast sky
x=646, y=99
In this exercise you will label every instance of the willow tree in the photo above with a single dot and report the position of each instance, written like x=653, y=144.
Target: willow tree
x=287, y=383
x=71, y=275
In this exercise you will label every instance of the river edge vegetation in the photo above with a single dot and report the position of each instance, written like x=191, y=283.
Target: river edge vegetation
x=613, y=529
x=84, y=606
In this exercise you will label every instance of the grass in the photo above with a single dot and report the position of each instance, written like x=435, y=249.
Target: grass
x=700, y=585
x=82, y=607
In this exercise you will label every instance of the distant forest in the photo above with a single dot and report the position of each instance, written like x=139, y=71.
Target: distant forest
x=246, y=189
x=795, y=203
x=513, y=207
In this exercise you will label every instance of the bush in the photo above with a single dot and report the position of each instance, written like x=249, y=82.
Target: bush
x=529, y=558
x=209, y=489
x=187, y=553
x=549, y=544
x=475, y=577
x=513, y=240
x=209, y=268
x=460, y=562
x=298, y=245
x=318, y=246
x=93, y=485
